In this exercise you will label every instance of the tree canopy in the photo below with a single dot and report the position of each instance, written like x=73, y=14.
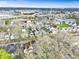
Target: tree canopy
x=4, y=54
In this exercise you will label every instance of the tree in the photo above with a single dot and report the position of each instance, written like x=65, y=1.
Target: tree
x=5, y=55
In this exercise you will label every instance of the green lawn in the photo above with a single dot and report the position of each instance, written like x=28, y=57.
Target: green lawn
x=2, y=29
x=7, y=21
x=63, y=25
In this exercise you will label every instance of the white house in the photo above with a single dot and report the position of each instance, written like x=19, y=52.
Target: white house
x=71, y=22
x=2, y=35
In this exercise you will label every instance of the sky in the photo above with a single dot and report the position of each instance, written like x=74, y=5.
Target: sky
x=40, y=3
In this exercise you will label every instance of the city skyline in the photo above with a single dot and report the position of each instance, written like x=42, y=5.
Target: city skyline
x=40, y=3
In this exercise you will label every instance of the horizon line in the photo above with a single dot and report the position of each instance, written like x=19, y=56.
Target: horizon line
x=40, y=7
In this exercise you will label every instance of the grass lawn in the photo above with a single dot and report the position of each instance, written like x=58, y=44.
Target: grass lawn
x=63, y=25
x=7, y=22
x=2, y=29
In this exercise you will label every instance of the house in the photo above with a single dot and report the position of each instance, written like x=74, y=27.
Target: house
x=66, y=25
x=2, y=35
x=71, y=22
x=28, y=47
x=2, y=22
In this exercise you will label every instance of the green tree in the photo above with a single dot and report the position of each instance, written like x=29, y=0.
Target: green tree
x=5, y=55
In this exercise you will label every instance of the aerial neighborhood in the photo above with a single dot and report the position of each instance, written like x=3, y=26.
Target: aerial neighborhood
x=24, y=30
